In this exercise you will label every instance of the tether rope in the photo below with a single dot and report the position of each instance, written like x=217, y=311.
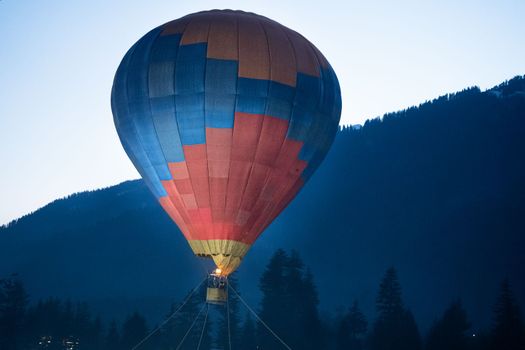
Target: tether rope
x=259, y=319
x=203, y=326
x=189, y=329
x=169, y=318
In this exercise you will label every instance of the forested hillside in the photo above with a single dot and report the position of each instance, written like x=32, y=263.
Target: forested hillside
x=435, y=191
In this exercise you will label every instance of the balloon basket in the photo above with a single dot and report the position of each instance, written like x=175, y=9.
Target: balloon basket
x=217, y=291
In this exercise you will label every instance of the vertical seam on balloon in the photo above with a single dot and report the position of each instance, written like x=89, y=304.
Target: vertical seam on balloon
x=114, y=109
x=227, y=236
x=153, y=40
x=233, y=129
x=205, y=136
x=272, y=213
x=329, y=139
x=187, y=224
x=244, y=231
x=150, y=116
x=287, y=129
x=117, y=119
x=321, y=92
x=149, y=103
x=322, y=82
x=204, y=111
x=139, y=138
x=241, y=235
x=148, y=62
x=191, y=229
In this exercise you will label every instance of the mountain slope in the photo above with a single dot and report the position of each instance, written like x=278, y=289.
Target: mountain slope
x=436, y=191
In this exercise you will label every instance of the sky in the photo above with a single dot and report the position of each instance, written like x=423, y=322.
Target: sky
x=58, y=59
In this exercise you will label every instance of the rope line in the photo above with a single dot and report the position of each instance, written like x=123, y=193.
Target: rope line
x=189, y=329
x=259, y=319
x=203, y=326
x=169, y=318
x=228, y=317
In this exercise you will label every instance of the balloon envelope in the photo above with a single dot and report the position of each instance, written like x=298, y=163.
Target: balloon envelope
x=226, y=115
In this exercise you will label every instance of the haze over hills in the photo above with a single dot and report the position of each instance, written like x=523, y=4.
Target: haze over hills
x=436, y=191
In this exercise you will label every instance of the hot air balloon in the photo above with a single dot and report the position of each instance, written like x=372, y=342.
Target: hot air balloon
x=225, y=114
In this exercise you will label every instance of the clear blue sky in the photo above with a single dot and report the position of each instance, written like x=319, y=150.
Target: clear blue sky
x=58, y=58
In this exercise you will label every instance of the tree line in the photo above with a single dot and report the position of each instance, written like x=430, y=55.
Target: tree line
x=289, y=308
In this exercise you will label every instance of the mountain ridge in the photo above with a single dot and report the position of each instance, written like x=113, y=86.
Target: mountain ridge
x=422, y=189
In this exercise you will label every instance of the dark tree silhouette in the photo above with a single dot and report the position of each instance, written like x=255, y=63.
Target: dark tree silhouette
x=313, y=335
x=133, y=331
x=53, y=322
x=189, y=319
x=94, y=338
x=289, y=304
x=13, y=304
x=112, y=341
x=273, y=304
x=508, y=332
x=388, y=302
x=45, y=321
x=248, y=336
x=449, y=332
x=352, y=329
x=84, y=327
x=67, y=319
x=395, y=327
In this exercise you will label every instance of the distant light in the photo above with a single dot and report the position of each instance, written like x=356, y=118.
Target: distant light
x=474, y=334
x=218, y=271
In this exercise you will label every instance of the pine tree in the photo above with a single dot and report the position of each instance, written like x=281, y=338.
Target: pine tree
x=248, y=338
x=395, y=327
x=94, y=337
x=67, y=320
x=274, y=300
x=310, y=322
x=45, y=319
x=389, y=303
x=508, y=329
x=449, y=331
x=295, y=307
x=289, y=304
x=409, y=333
x=189, y=318
x=82, y=323
x=352, y=329
x=172, y=332
x=133, y=331
x=13, y=305
x=112, y=341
